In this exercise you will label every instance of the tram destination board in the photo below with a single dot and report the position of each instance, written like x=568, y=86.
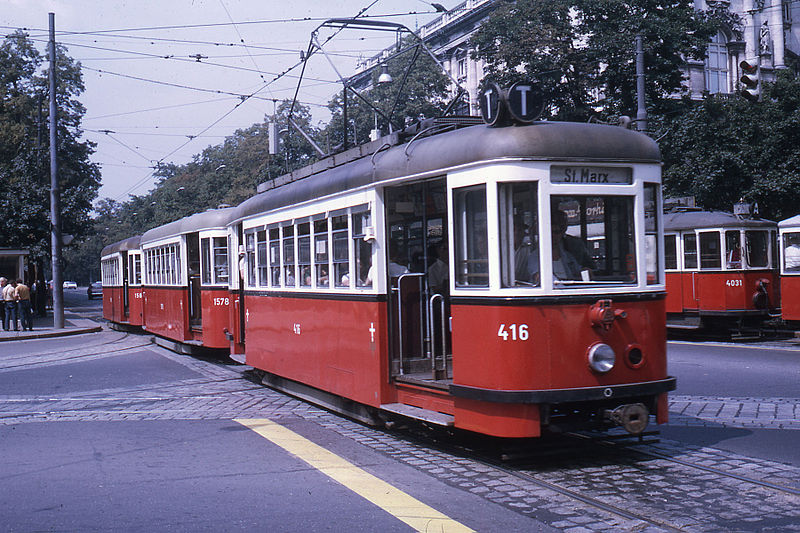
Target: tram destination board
x=586, y=174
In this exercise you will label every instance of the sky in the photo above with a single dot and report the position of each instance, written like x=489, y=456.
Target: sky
x=167, y=78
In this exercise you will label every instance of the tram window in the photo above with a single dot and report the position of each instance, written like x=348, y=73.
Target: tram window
x=205, y=258
x=363, y=249
x=261, y=253
x=709, y=250
x=733, y=249
x=288, y=256
x=275, y=257
x=220, y=260
x=593, y=239
x=791, y=252
x=689, y=251
x=137, y=279
x=670, y=252
x=321, y=252
x=471, y=235
x=757, y=248
x=250, y=249
x=304, y=253
x=651, y=191
x=341, y=256
x=519, y=236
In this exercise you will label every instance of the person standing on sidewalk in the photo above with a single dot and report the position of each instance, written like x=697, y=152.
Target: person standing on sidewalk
x=3, y=283
x=24, y=305
x=10, y=299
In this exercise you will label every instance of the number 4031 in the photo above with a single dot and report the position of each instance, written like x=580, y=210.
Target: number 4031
x=513, y=332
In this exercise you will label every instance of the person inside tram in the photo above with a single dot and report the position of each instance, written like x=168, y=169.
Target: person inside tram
x=571, y=259
x=791, y=257
x=396, y=269
x=438, y=273
x=522, y=250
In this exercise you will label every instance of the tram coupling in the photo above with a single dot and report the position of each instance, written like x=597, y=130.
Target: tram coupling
x=632, y=417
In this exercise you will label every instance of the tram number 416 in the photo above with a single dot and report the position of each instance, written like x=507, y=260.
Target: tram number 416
x=513, y=332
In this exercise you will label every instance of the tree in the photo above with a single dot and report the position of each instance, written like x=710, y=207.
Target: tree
x=723, y=149
x=24, y=151
x=582, y=51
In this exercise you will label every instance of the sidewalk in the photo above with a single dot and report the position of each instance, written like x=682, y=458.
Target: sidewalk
x=43, y=328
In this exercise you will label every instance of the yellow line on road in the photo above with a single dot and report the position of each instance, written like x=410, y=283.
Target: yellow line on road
x=413, y=512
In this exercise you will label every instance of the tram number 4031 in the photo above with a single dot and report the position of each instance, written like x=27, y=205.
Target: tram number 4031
x=513, y=332
x=733, y=283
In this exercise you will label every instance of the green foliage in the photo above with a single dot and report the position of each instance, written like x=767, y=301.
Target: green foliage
x=24, y=150
x=582, y=51
x=726, y=148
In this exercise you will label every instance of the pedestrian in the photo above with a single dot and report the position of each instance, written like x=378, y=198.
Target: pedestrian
x=10, y=299
x=24, y=304
x=3, y=283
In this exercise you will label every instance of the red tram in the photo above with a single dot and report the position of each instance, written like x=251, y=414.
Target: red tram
x=186, y=274
x=789, y=230
x=504, y=280
x=121, y=273
x=720, y=268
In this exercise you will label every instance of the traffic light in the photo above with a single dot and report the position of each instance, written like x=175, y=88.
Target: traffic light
x=751, y=80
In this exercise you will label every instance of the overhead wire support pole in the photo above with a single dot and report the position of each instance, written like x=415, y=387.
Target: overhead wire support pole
x=641, y=108
x=55, y=194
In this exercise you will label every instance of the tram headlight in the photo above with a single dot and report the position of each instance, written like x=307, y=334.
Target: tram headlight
x=601, y=358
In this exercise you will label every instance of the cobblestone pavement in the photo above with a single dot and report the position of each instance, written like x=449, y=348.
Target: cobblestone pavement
x=672, y=496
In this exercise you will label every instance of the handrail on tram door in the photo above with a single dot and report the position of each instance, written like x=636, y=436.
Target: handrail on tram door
x=438, y=373
x=419, y=276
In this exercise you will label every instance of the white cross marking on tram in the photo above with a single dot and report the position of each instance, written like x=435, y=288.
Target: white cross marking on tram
x=247, y=315
x=372, y=331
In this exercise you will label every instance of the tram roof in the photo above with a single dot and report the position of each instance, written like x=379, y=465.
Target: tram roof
x=694, y=219
x=131, y=243
x=792, y=222
x=209, y=219
x=562, y=141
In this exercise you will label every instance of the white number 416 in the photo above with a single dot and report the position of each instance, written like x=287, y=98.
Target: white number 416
x=514, y=332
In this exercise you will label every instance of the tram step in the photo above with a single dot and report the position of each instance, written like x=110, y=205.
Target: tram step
x=426, y=415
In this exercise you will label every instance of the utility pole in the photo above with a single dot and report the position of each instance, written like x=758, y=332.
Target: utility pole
x=55, y=195
x=641, y=110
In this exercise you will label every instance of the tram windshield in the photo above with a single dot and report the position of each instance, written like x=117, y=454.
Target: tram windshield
x=757, y=248
x=592, y=239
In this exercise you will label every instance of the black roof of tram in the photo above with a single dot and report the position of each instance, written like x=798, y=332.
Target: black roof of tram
x=209, y=219
x=131, y=243
x=563, y=141
x=696, y=219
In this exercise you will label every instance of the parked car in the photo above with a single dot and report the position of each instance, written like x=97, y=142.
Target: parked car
x=70, y=285
x=95, y=289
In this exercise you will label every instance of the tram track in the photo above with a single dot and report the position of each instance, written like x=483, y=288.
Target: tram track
x=717, y=471
x=601, y=479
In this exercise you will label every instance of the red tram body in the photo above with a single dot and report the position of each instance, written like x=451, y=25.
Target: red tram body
x=720, y=269
x=185, y=265
x=502, y=280
x=350, y=298
x=122, y=283
x=789, y=231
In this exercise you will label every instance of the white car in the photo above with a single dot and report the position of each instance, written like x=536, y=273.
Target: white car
x=70, y=285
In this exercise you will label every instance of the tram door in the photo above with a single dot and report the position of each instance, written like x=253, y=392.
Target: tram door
x=126, y=304
x=419, y=310
x=193, y=269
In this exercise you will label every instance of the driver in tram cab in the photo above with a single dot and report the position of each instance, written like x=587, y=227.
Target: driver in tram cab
x=571, y=259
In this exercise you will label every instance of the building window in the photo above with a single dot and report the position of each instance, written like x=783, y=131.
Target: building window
x=717, y=65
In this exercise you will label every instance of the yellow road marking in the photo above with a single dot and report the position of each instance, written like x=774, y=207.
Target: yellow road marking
x=413, y=512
